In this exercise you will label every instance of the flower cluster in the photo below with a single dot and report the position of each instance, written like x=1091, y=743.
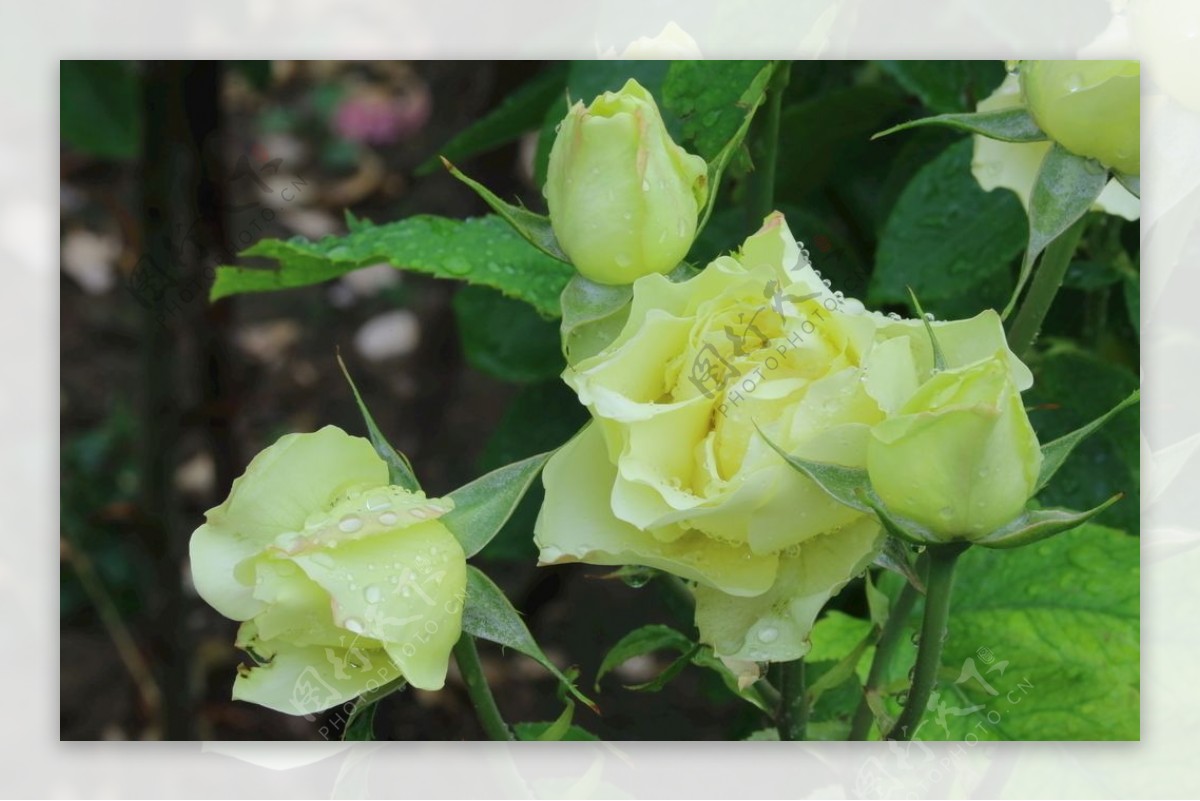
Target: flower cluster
x=673, y=473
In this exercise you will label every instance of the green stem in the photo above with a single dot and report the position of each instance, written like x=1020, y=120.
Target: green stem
x=1046, y=281
x=938, y=585
x=762, y=188
x=889, y=639
x=793, y=706
x=486, y=710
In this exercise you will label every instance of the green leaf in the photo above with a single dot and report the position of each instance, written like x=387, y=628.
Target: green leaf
x=100, y=108
x=592, y=316
x=674, y=669
x=400, y=471
x=1071, y=389
x=1066, y=186
x=483, y=250
x=843, y=670
x=949, y=240
x=1053, y=631
x=489, y=615
x=533, y=228
x=1056, y=452
x=878, y=602
x=1133, y=299
x=1035, y=525
x=360, y=723
x=753, y=97
x=1006, y=125
x=642, y=641
x=825, y=131
x=712, y=100
x=547, y=731
x=946, y=86
x=705, y=658
x=482, y=507
x=506, y=338
x=521, y=111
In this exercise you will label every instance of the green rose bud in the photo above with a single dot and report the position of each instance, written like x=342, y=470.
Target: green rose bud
x=1091, y=108
x=624, y=198
x=960, y=457
x=344, y=583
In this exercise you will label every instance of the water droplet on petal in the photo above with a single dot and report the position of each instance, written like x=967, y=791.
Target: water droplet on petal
x=388, y=519
x=373, y=594
x=354, y=625
x=350, y=524
x=768, y=634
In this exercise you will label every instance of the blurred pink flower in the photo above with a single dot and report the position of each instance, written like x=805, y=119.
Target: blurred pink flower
x=375, y=118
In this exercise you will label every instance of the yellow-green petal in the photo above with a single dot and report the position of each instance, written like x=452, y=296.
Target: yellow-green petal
x=774, y=626
x=404, y=589
x=576, y=524
x=304, y=679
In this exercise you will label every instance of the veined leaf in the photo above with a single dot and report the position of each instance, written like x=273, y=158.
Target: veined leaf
x=483, y=250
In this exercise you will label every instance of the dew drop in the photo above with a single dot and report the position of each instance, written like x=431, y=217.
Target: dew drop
x=353, y=624
x=418, y=513
x=768, y=634
x=388, y=519
x=377, y=502
x=350, y=524
x=373, y=594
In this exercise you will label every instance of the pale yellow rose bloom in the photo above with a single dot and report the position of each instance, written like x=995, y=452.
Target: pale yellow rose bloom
x=672, y=473
x=344, y=583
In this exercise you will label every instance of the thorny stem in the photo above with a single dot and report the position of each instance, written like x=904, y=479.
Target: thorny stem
x=889, y=639
x=938, y=586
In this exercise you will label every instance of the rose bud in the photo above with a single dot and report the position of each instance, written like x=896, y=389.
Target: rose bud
x=624, y=198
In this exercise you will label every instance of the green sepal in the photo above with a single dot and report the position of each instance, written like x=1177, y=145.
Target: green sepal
x=489, y=615
x=1055, y=453
x=482, y=507
x=1066, y=187
x=400, y=471
x=1006, y=125
x=1039, y=524
x=534, y=228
